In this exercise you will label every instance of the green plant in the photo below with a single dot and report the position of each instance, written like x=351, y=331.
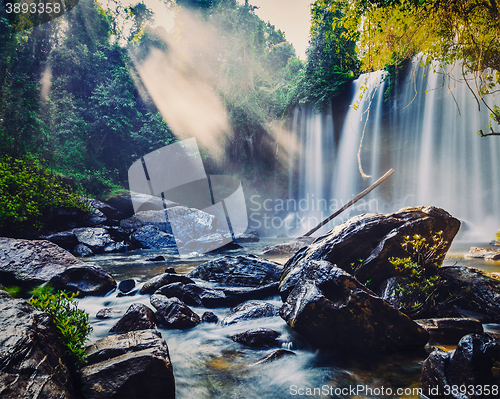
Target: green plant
x=14, y=291
x=72, y=323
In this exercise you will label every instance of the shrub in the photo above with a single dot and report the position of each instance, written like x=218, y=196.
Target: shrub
x=72, y=323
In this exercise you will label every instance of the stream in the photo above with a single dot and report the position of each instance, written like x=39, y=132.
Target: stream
x=207, y=364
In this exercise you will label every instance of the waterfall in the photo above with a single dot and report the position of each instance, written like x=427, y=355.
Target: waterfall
x=425, y=132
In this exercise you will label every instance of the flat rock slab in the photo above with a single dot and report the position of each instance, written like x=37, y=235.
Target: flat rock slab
x=484, y=253
x=31, y=358
x=288, y=248
x=173, y=313
x=450, y=330
x=28, y=263
x=243, y=270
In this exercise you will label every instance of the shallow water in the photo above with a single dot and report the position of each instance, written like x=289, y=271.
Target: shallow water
x=207, y=364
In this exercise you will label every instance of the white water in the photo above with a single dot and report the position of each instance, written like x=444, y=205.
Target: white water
x=426, y=134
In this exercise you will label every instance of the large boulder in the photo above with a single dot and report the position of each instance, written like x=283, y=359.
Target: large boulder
x=157, y=218
x=194, y=295
x=159, y=281
x=152, y=237
x=131, y=365
x=257, y=337
x=28, y=263
x=364, y=243
x=107, y=210
x=242, y=270
x=173, y=313
x=65, y=239
x=483, y=253
x=123, y=203
x=189, y=223
x=86, y=280
x=474, y=363
x=236, y=296
x=331, y=309
x=32, y=361
x=95, y=238
x=289, y=247
x=251, y=310
x=137, y=317
x=450, y=330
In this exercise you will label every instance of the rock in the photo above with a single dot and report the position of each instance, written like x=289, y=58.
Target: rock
x=156, y=282
x=152, y=237
x=82, y=251
x=450, y=330
x=107, y=210
x=373, y=238
x=206, y=297
x=207, y=243
x=86, y=280
x=173, y=313
x=247, y=236
x=484, y=253
x=473, y=290
x=64, y=239
x=230, y=246
x=209, y=317
x=32, y=360
x=257, y=338
x=146, y=202
x=243, y=270
x=236, y=296
x=126, y=285
x=27, y=263
x=170, y=270
x=174, y=290
x=331, y=309
x=137, y=317
x=475, y=362
x=289, y=247
x=96, y=238
x=274, y=355
x=158, y=258
x=131, y=365
x=251, y=310
x=105, y=313
x=115, y=247
x=157, y=218
x=189, y=223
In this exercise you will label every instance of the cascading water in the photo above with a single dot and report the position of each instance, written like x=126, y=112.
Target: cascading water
x=425, y=133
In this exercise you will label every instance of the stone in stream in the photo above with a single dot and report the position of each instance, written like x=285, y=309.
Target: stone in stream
x=137, y=317
x=86, y=280
x=82, y=251
x=475, y=362
x=65, y=239
x=257, y=337
x=209, y=317
x=251, y=310
x=450, y=330
x=242, y=270
x=129, y=366
x=236, y=296
x=194, y=295
x=367, y=241
x=126, y=285
x=288, y=248
x=27, y=263
x=152, y=237
x=159, y=281
x=331, y=309
x=95, y=238
x=33, y=364
x=274, y=355
x=173, y=313
x=106, y=313
x=484, y=253
x=247, y=236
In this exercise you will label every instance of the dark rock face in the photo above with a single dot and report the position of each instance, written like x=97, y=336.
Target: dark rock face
x=209, y=317
x=96, y=238
x=156, y=282
x=107, y=210
x=258, y=337
x=289, y=247
x=173, y=313
x=474, y=290
x=195, y=295
x=65, y=239
x=126, y=285
x=236, y=296
x=157, y=218
x=152, y=237
x=29, y=263
x=247, y=236
x=331, y=309
x=243, y=270
x=474, y=362
x=374, y=238
x=251, y=310
x=87, y=280
x=32, y=361
x=104, y=313
x=124, y=203
x=485, y=253
x=137, y=317
x=82, y=251
x=129, y=366
x=450, y=330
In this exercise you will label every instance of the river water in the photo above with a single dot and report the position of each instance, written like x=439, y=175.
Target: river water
x=207, y=364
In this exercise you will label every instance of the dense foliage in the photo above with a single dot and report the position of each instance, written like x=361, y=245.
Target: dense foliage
x=72, y=323
x=30, y=196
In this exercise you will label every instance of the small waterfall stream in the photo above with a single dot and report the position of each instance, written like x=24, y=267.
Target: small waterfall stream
x=425, y=132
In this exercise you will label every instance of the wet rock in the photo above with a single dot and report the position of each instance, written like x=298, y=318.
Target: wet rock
x=152, y=237
x=331, y=309
x=27, y=263
x=450, y=330
x=131, y=365
x=247, y=236
x=207, y=243
x=236, y=296
x=170, y=270
x=159, y=281
x=32, y=360
x=86, y=280
x=137, y=317
x=145, y=202
x=475, y=362
x=373, y=238
x=226, y=247
x=157, y=218
x=115, y=247
x=96, y=238
x=473, y=290
x=126, y=285
x=105, y=313
x=209, y=317
x=243, y=270
x=188, y=223
x=251, y=310
x=274, y=355
x=107, y=210
x=158, y=258
x=289, y=247
x=257, y=337
x=206, y=297
x=64, y=239
x=174, y=290
x=82, y=251
x=484, y=253
x=173, y=313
